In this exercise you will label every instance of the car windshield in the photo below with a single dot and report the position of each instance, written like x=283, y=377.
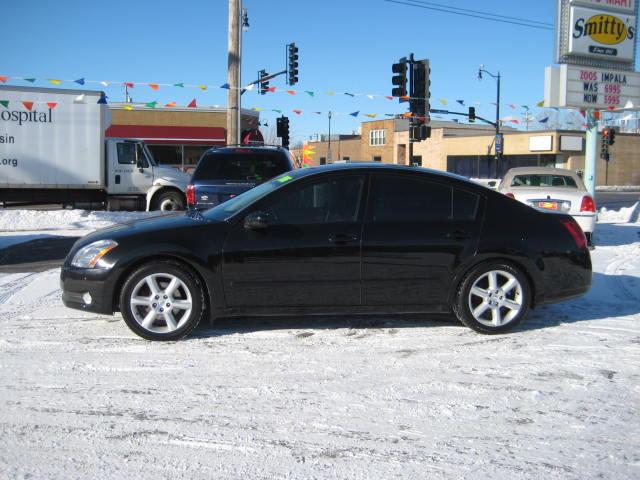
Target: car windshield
x=228, y=208
x=543, y=180
x=241, y=166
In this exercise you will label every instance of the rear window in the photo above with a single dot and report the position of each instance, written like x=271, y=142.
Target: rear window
x=253, y=167
x=543, y=181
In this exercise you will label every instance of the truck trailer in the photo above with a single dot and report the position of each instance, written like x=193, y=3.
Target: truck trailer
x=53, y=150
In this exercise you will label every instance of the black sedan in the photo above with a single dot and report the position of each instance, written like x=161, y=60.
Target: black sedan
x=366, y=238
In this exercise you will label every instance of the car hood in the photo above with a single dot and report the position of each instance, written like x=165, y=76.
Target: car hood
x=157, y=224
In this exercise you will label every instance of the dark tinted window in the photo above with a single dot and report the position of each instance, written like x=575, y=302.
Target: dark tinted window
x=465, y=205
x=254, y=167
x=407, y=199
x=329, y=201
x=537, y=180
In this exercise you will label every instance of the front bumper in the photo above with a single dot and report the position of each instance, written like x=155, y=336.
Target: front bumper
x=79, y=285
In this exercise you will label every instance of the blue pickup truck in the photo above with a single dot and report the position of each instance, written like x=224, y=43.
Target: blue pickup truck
x=223, y=173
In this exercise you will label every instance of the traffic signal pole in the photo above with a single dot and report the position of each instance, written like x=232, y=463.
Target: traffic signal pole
x=591, y=153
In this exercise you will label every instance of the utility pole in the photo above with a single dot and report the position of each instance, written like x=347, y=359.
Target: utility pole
x=329, y=147
x=233, y=74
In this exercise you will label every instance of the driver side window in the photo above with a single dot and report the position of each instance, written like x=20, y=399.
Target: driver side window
x=335, y=200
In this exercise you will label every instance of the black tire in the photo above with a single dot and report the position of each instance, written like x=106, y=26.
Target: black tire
x=156, y=331
x=169, y=201
x=464, y=300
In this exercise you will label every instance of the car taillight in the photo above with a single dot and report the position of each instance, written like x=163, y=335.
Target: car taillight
x=576, y=232
x=191, y=195
x=587, y=205
x=510, y=195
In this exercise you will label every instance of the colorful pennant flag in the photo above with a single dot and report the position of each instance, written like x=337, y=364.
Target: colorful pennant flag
x=28, y=105
x=52, y=105
x=297, y=112
x=151, y=104
x=310, y=93
x=512, y=106
x=79, y=81
x=406, y=98
x=540, y=104
x=291, y=92
x=204, y=87
x=277, y=111
x=79, y=99
x=4, y=79
x=127, y=107
x=371, y=115
x=272, y=89
x=443, y=101
x=154, y=86
x=102, y=100
x=179, y=85
x=129, y=84
x=371, y=97
x=104, y=83
x=54, y=81
x=544, y=120
x=170, y=104
x=192, y=104
x=29, y=80
x=388, y=97
x=461, y=102
x=4, y=103
x=349, y=94
x=355, y=114
x=226, y=86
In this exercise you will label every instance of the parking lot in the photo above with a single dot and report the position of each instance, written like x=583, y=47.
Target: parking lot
x=356, y=397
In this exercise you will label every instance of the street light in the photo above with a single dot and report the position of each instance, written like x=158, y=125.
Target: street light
x=482, y=70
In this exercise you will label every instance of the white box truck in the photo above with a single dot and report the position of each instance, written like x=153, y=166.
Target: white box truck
x=53, y=150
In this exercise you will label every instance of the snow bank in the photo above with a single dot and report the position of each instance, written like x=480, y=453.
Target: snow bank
x=624, y=215
x=32, y=220
x=618, y=188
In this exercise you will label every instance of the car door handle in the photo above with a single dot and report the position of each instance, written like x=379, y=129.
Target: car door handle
x=342, y=238
x=459, y=235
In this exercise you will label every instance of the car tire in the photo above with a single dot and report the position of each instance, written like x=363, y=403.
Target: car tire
x=162, y=301
x=493, y=298
x=169, y=201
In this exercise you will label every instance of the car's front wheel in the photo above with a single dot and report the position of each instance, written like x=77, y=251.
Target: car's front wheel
x=493, y=298
x=162, y=301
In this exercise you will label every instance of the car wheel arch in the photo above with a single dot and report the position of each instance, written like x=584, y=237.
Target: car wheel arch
x=158, y=193
x=208, y=294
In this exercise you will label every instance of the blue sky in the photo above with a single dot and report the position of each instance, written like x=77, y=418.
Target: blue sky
x=346, y=45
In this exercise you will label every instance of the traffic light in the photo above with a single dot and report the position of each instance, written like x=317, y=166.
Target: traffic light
x=292, y=54
x=612, y=136
x=604, y=146
x=419, y=103
x=264, y=85
x=282, y=130
x=419, y=132
x=472, y=114
x=399, y=79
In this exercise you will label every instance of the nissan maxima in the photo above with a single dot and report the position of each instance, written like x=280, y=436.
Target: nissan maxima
x=337, y=239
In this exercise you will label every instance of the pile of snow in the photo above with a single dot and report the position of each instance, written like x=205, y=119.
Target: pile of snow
x=32, y=220
x=618, y=188
x=623, y=215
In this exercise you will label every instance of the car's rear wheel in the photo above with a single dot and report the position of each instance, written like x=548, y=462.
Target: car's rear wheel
x=493, y=298
x=162, y=301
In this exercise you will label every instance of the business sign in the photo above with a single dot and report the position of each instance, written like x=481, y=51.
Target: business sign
x=596, y=34
x=599, y=34
x=627, y=6
x=590, y=88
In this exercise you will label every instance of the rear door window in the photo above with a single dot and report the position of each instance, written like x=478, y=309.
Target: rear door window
x=241, y=167
x=401, y=199
x=543, y=181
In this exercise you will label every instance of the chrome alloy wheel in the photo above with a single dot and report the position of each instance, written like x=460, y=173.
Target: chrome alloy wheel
x=169, y=205
x=496, y=298
x=161, y=303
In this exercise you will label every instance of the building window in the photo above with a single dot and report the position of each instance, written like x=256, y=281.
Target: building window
x=323, y=160
x=346, y=158
x=377, y=159
x=376, y=138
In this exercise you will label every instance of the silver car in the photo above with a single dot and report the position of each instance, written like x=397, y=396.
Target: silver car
x=554, y=189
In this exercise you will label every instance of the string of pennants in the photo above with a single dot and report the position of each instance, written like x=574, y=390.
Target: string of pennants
x=310, y=93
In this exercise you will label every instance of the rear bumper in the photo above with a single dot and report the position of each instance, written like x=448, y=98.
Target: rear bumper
x=88, y=290
x=587, y=222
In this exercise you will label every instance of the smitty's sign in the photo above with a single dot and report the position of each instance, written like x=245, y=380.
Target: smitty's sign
x=601, y=34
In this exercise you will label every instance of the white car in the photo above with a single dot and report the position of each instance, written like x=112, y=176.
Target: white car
x=552, y=189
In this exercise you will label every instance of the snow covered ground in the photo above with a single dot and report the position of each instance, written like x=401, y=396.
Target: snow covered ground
x=368, y=397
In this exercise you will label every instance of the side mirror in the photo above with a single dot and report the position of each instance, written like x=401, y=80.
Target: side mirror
x=256, y=221
x=140, y=167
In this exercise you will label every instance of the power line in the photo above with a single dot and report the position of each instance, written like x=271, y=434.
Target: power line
x=481, y=13
x=491, y=18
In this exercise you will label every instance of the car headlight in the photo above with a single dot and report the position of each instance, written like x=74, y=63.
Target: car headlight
x=89, y=255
